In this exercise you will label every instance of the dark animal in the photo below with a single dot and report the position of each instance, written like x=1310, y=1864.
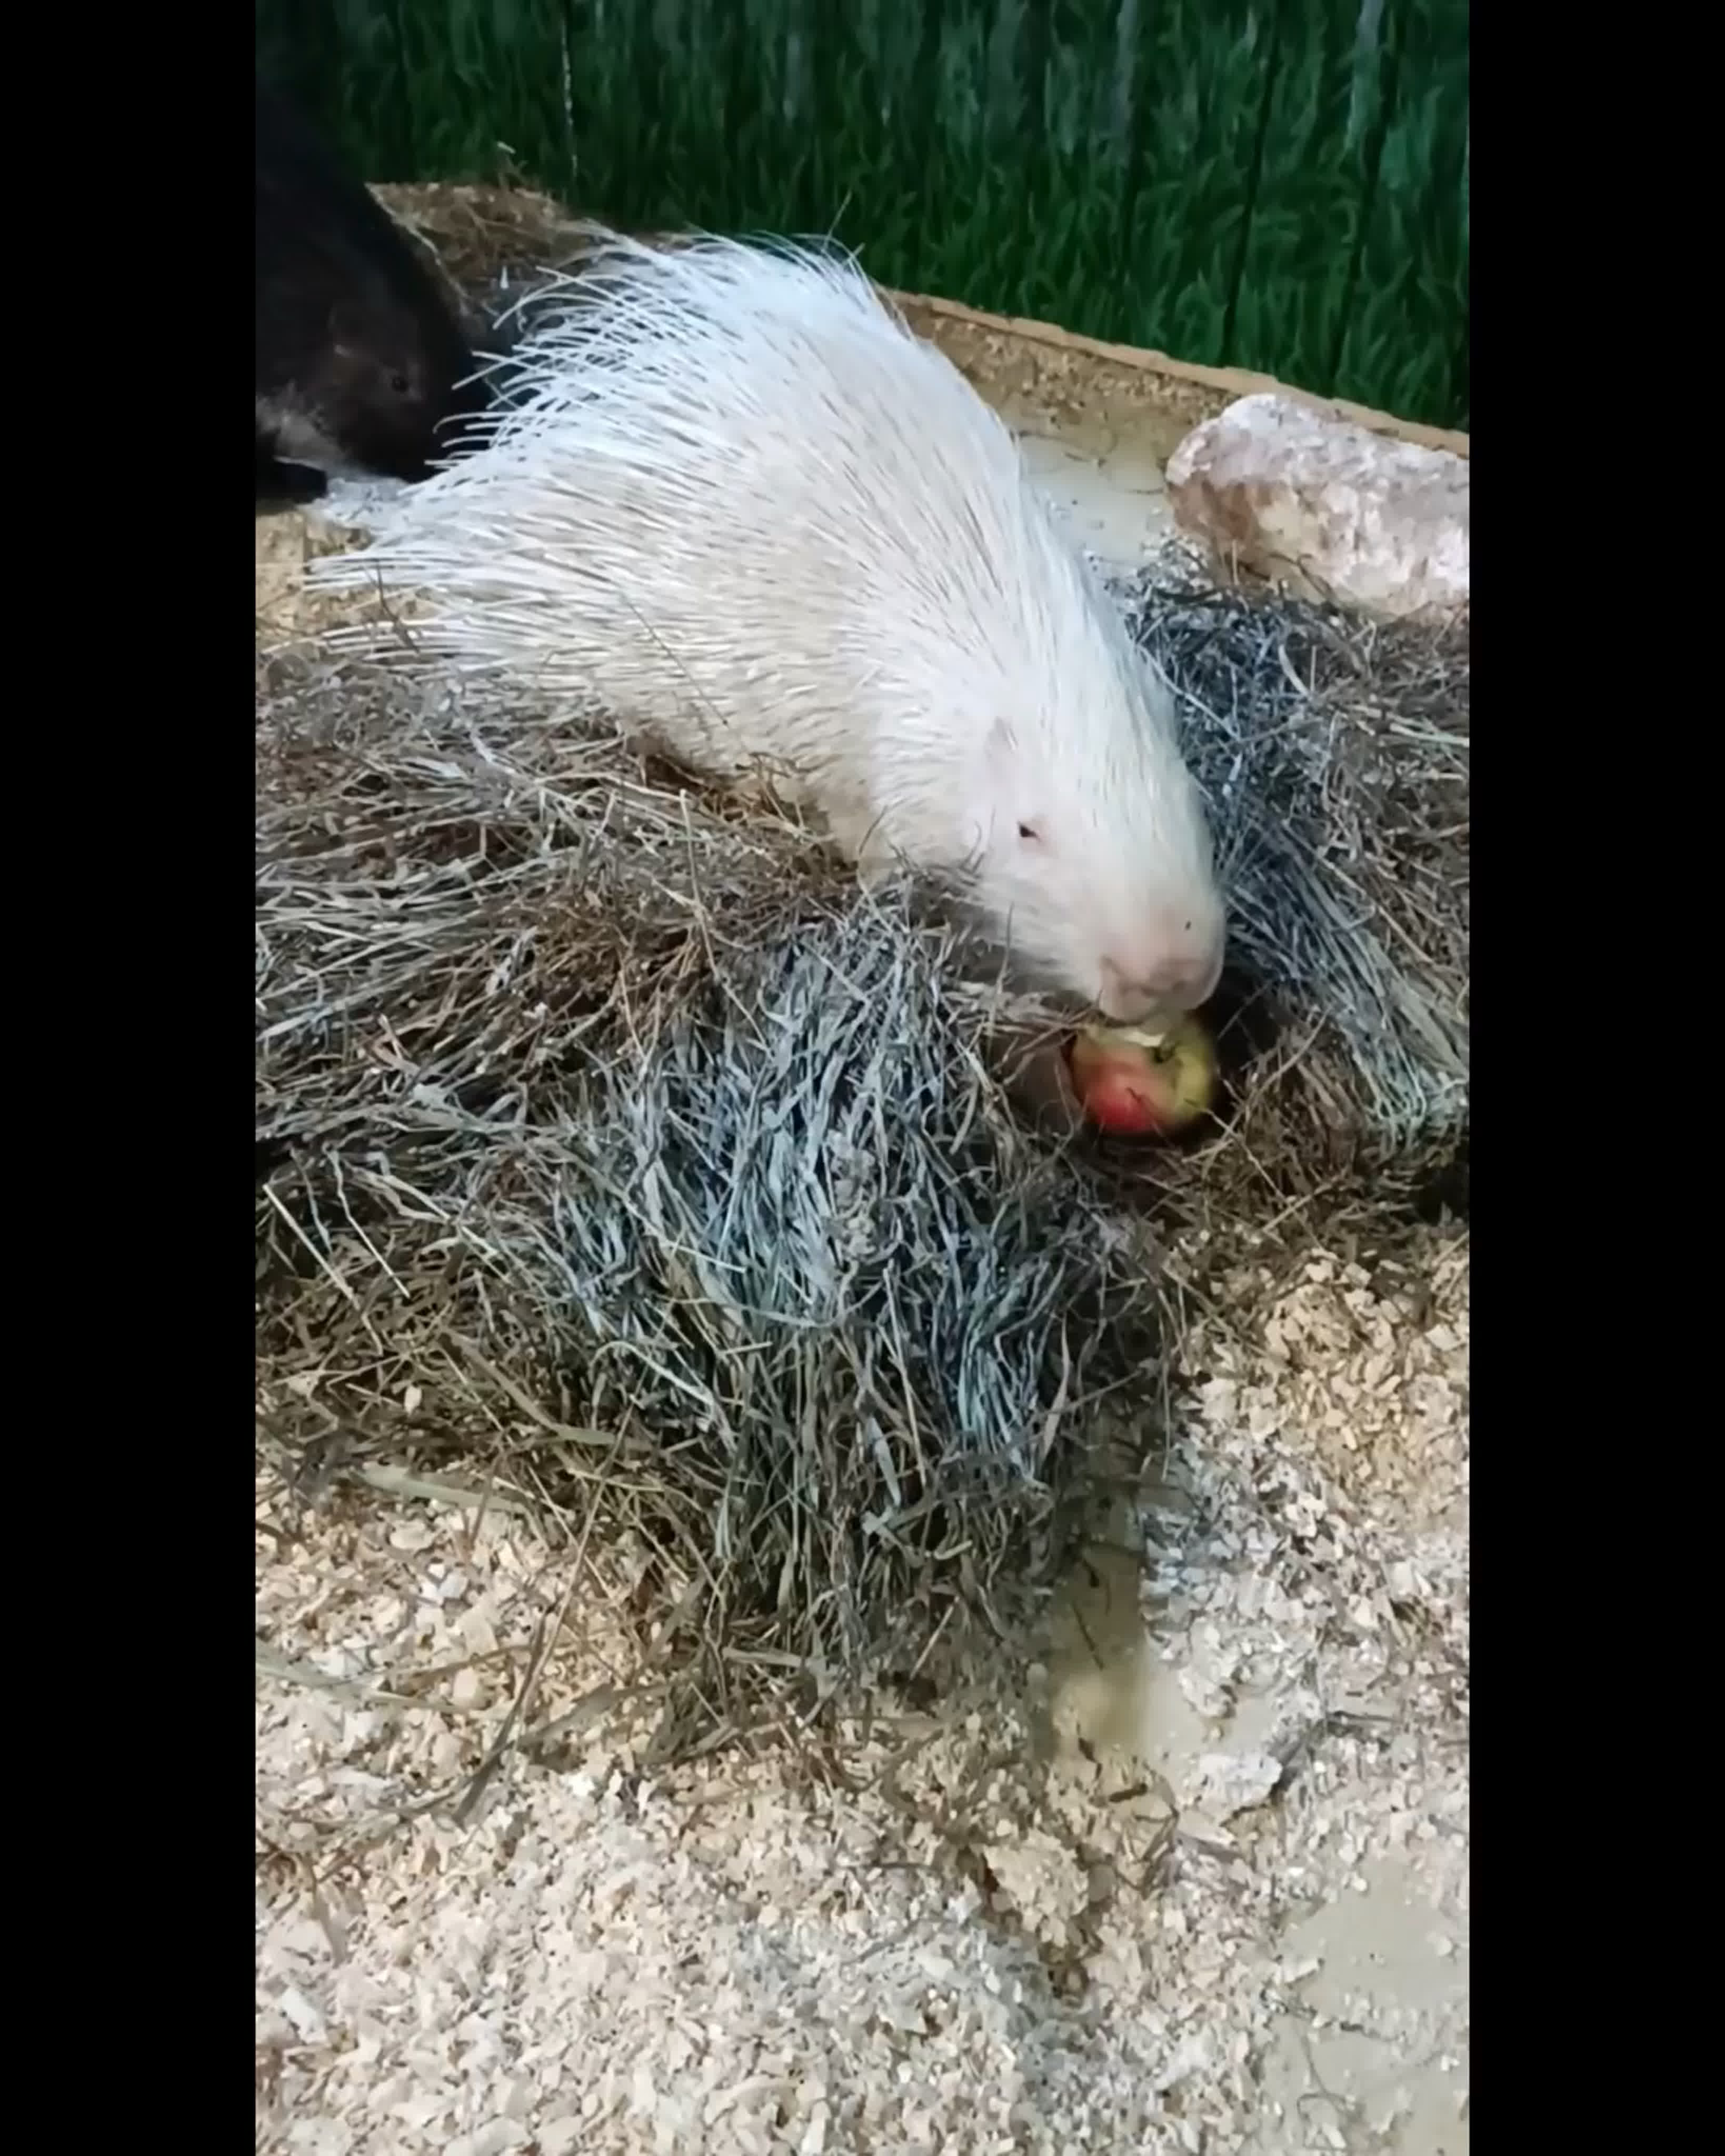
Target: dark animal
x=361, y=362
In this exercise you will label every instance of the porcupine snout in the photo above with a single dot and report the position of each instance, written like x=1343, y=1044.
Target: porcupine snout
x=1173, y=966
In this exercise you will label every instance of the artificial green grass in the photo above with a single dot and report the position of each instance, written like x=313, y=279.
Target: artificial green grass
x=1281, y=187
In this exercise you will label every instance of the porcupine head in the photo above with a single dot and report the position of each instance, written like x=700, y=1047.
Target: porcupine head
x=374, y=380
x=1102, y=877
x=361, y=362
x=1082, y=838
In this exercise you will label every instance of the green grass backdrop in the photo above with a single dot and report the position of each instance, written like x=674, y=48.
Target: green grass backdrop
x=1282, y=185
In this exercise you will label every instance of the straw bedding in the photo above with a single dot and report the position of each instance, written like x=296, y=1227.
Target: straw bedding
x=607, y=1136
x=1334, y=755
x=612, y=1143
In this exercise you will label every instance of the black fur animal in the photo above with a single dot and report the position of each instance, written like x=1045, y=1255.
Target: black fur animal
x=360, y=359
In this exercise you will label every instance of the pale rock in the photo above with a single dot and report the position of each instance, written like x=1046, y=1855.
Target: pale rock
x=1298, y=495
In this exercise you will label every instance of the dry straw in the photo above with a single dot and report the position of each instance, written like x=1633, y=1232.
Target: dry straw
x=613, y=1148
x=1334, y=754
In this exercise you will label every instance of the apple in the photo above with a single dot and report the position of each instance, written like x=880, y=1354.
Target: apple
x=1134, y=1083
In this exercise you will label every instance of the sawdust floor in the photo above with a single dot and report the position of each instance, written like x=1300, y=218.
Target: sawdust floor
x=1104, y=476
x=1199, y=1885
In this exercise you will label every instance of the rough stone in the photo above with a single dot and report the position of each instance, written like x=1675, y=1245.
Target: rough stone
x=1297, y=496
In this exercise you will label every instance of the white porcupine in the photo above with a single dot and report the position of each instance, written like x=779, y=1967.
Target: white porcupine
x=737, y=504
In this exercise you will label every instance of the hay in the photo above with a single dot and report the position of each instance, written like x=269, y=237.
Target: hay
x=627, y=1144
x=1334, y=754
x=490, y=242
x=611, y=1142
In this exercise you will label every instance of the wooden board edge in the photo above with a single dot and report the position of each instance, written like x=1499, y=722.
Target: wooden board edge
x=1226, y=381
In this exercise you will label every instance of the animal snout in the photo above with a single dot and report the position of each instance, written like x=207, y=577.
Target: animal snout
x=1178, y=982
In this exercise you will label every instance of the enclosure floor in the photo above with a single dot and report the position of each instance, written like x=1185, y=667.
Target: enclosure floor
x=1388, y=1972
x=1103, y=475
x=1078, y=1918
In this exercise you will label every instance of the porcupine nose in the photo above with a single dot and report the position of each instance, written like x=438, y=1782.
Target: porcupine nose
x=1178, y=981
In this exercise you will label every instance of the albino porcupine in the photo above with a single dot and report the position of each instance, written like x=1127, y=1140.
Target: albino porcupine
x=732, y=500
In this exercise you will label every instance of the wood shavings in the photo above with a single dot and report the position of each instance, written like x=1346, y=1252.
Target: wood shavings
x=942, y=1945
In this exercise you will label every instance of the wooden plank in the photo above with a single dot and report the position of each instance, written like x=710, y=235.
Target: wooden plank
x=1003, y=347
